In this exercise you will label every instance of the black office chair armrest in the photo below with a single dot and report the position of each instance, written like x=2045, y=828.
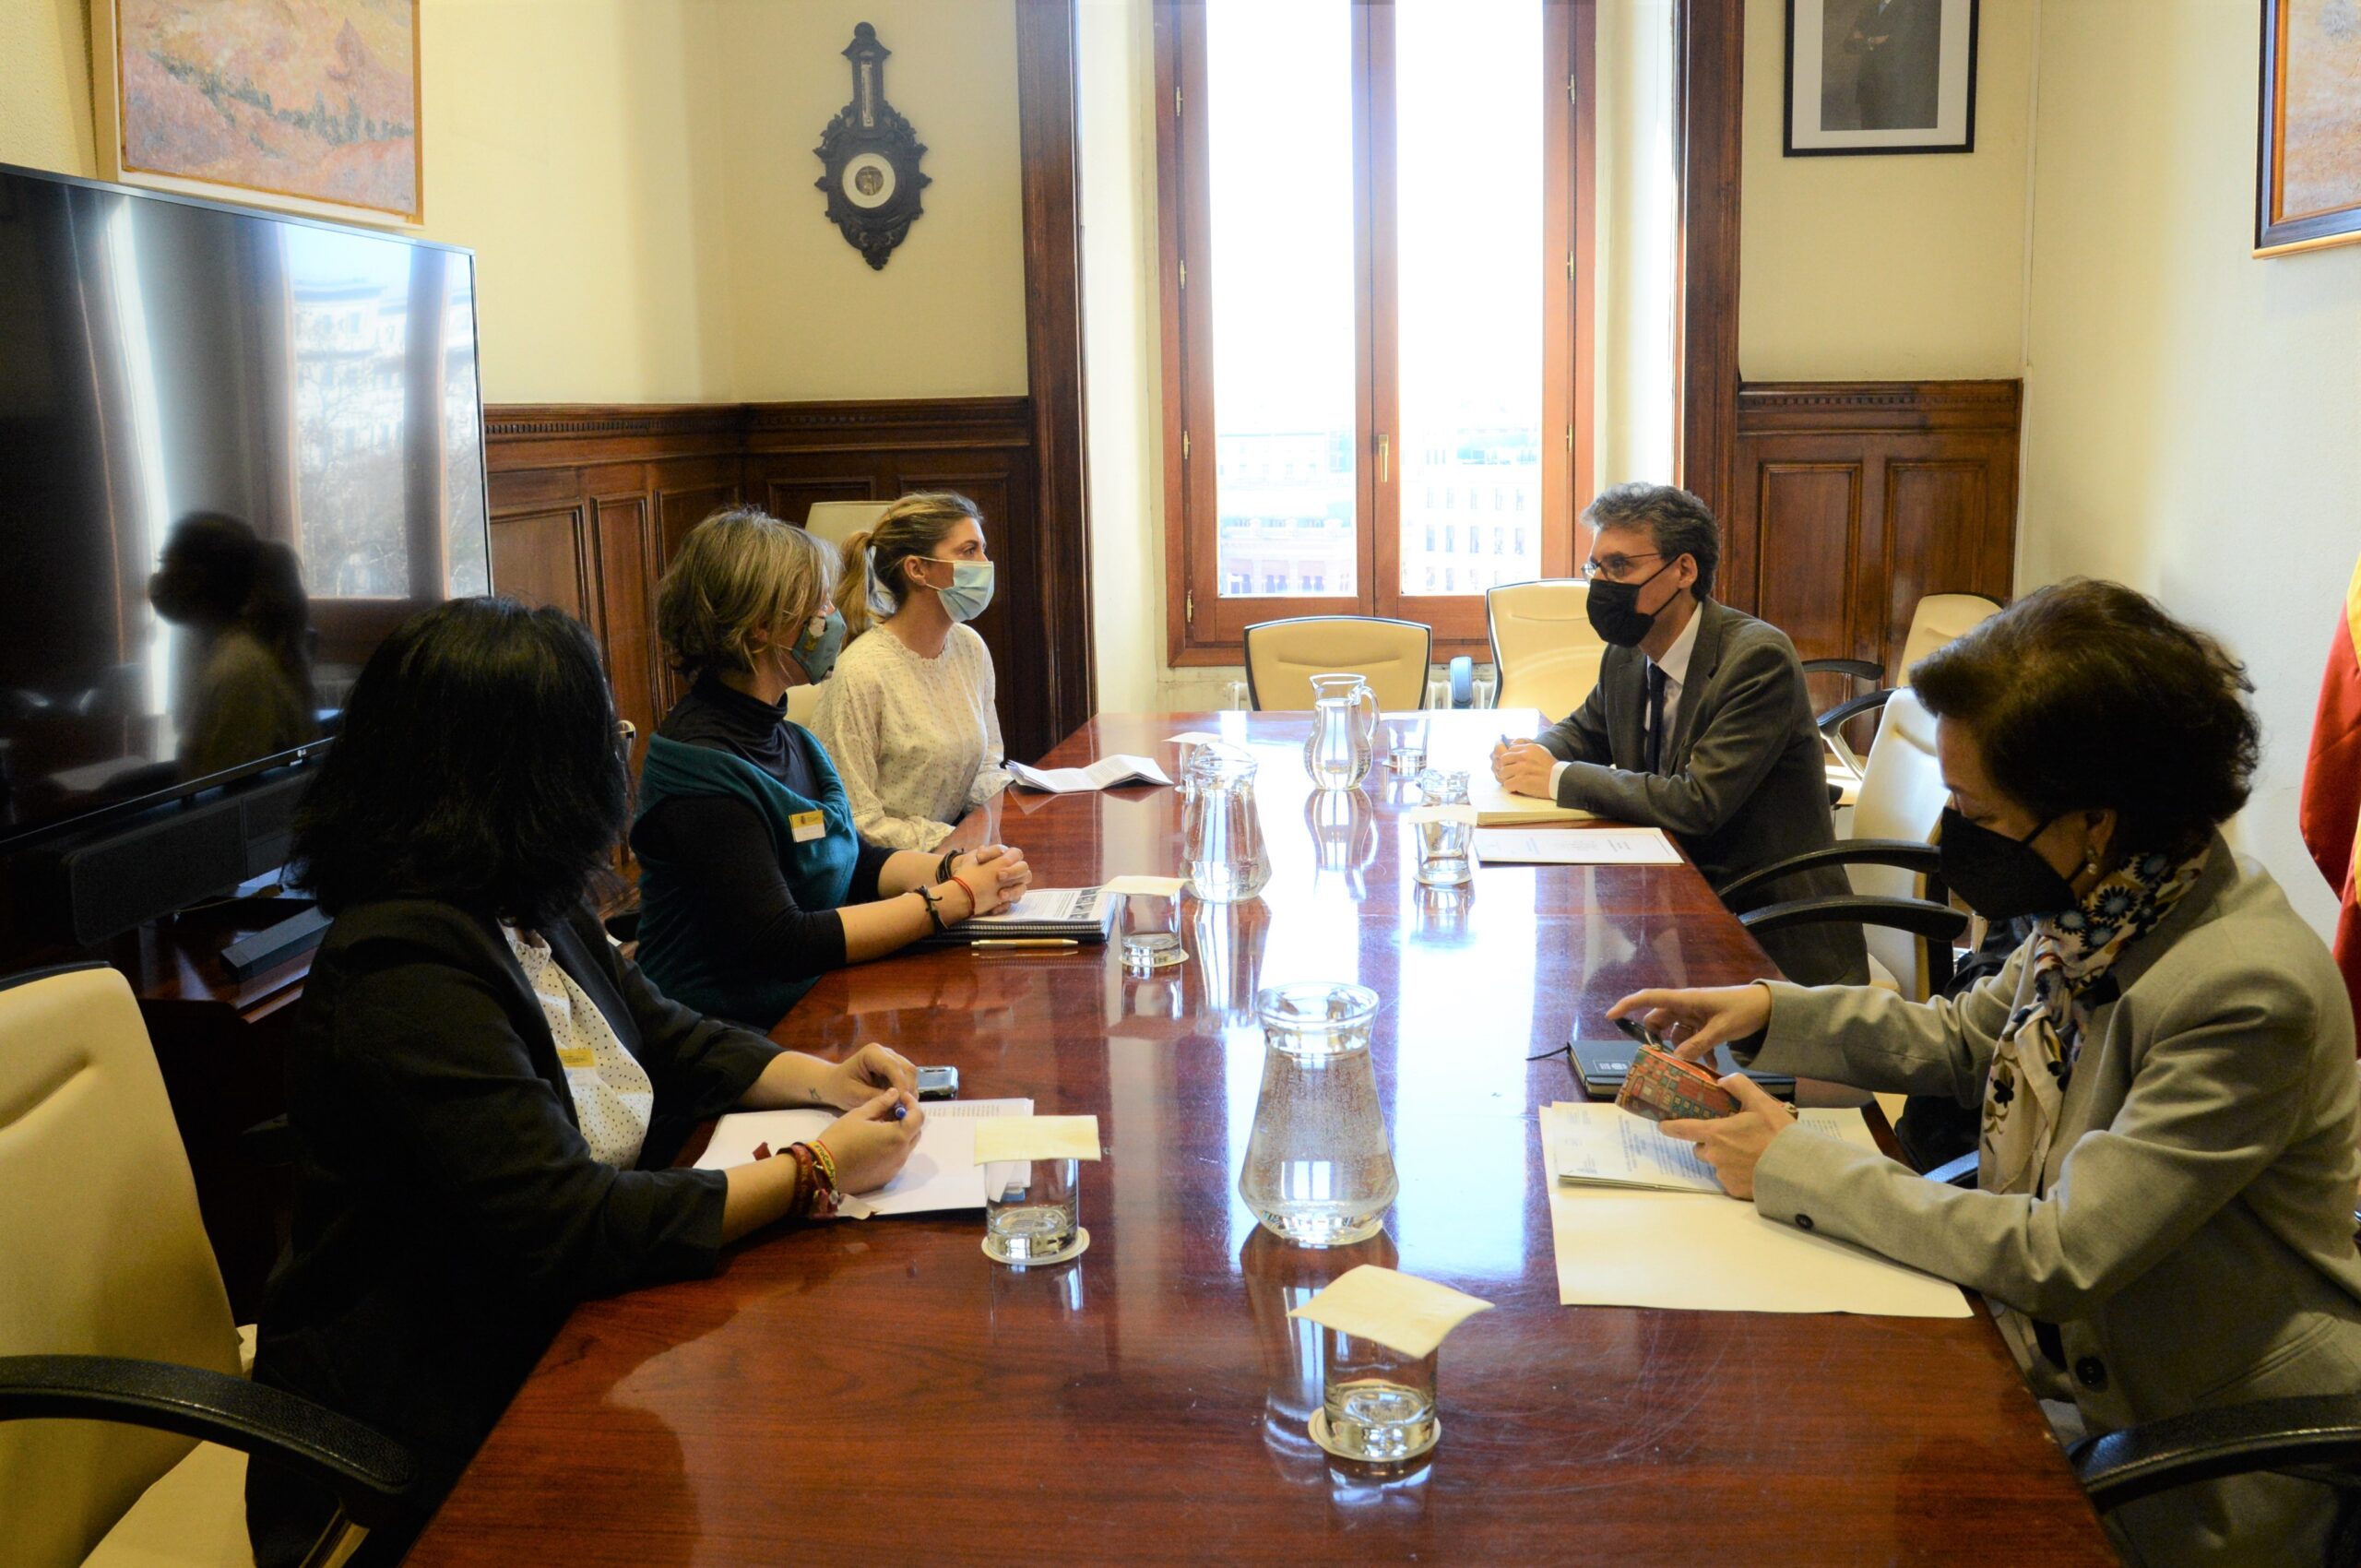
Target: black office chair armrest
x=1938, y=922
x=1902, y=854
x=1859, y=668
x=2312, y=1433
x=373, y=1476
x=1851, y=709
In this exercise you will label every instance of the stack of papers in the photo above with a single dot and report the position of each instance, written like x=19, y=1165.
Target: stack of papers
x=1497, y=807
x=1105, y=774
x=1592, y=847
x=942, y=1173
x=1632, y=1228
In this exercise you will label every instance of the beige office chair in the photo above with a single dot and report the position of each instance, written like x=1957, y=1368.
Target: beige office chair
x=1938, y=618
x=1890, y=861
x=1283, y=656
x=1544, y=651
x=117, y=1353
x=838, y=521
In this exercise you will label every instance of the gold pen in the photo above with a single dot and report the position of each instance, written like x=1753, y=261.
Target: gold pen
x=1008, y=942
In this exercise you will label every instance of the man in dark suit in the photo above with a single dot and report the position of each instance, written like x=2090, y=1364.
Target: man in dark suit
x=1700, y=724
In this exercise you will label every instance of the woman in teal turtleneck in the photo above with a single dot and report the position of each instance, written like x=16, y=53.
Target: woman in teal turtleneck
x=752, y=881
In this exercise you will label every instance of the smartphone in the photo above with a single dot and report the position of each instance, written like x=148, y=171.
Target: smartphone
x=938, y=1083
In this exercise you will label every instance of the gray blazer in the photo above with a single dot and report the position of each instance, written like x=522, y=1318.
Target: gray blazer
x=1746, y=782
x=2194, y=1239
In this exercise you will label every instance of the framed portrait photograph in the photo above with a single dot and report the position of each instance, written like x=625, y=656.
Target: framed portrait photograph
x=2307, y=170
x=309, y=106
x=1868, y=76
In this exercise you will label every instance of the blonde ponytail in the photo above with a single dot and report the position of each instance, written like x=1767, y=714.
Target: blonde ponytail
x=872, y=567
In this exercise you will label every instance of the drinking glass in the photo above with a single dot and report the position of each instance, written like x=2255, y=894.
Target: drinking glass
x=1151, y=938
x=1405, y=743
x=1378, y=1405
x=1319, y=1169
x=1032, y=1210
x=1445, y=858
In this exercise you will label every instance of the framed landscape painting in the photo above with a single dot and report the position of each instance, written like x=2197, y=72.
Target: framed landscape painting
x=2307, y=172
x=308, y=105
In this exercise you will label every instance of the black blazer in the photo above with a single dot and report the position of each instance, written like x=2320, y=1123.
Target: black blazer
x=1745, y=781
x=447, y=1211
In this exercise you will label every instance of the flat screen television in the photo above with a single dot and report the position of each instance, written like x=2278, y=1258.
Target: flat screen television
x=236, y=450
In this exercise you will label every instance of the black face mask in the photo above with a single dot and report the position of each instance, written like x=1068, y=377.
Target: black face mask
x=1615, y=612
x=2002, y=878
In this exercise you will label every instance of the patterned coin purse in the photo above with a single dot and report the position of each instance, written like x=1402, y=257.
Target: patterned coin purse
x=1663, y=1088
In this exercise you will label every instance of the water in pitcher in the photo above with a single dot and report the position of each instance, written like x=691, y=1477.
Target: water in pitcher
x=1319, y=1168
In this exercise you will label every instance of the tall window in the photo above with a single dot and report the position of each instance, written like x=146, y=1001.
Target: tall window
x=1374, y=220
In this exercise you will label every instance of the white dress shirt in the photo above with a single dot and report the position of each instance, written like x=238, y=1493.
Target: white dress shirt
x=1675, y=665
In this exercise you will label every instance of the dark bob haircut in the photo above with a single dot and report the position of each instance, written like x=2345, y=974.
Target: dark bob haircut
x=476, y=764
x=1678, y=522
x=2087, y=695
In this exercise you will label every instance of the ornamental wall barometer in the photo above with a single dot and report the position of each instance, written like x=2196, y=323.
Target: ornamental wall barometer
x=871, y=156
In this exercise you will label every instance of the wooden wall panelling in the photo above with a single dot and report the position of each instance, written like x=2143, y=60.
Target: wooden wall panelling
x=589, y=502
x=1058, y=569
x=1856, y=499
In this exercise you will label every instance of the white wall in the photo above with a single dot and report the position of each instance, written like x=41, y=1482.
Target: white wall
x=1636, y=233
x=1122, y=350
x=2194, y=414
x=1889, y=267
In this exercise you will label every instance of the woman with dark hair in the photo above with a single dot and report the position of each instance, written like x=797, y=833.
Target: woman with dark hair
x=2164, y=1214
x=244, y=686
x=485, y=1096
x=754, y=882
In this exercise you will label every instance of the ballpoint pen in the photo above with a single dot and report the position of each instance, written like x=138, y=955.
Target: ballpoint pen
x=1005, y=942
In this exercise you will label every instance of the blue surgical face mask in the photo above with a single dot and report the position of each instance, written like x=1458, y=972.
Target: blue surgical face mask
x=822, y=640
x=971, y=589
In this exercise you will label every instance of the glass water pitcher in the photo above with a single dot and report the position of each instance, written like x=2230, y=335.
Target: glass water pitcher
x=1344, y=732
x=1221, y=828
x=1319, y=1168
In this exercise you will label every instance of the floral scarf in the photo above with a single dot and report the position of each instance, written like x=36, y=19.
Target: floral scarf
x=2068, y=954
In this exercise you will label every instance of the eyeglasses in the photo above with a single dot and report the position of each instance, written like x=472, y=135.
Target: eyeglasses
x=1615, y=568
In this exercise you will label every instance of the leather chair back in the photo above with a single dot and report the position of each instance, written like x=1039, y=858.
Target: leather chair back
x=837, y=522
x=1283, y=656
x=1901, y=797
x=1940, y=618
x=105, y=1255
x=1543, y=649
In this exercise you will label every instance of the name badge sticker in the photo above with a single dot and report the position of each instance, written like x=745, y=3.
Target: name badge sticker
x=808, y=826
x=575, y=1058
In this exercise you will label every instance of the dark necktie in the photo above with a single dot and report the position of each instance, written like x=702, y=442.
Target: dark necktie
x=1656, y=717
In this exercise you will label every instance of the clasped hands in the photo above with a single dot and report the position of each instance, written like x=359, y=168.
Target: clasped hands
x=1692, y=1023
x=997, y=873
x=1522, y=767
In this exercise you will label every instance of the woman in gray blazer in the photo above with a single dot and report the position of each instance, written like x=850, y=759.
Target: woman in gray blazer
x=2165, y=1214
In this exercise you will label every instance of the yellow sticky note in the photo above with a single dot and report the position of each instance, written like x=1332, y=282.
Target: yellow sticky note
x=1400, y=1311
x=1006, y=1138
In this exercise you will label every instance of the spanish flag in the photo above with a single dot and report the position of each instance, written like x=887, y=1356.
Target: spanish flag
x=2330, y=814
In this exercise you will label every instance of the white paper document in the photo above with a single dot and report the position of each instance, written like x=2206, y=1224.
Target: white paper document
x=1078, y=907
x=1620, y=1246
x=1105, y=774
x=1602, y=1145
x=941, y=1173
x=1495, y=807
x=1592, y=847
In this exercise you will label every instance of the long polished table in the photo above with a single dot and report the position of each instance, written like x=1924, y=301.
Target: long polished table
x=882, y=1393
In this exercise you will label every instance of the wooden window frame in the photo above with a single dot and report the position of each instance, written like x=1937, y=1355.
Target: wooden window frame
x=1202, y=627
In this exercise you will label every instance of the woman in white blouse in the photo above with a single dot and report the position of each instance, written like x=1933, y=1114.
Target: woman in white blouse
x=909, y=716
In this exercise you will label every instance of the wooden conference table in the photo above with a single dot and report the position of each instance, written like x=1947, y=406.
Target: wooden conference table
x=882, y=1393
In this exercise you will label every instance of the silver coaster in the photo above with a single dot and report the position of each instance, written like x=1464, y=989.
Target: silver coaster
x=1320, y=1435
x=1081, y=1245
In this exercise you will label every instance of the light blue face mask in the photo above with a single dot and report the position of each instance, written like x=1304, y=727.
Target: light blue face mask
x=971, y=589
x=822, y=640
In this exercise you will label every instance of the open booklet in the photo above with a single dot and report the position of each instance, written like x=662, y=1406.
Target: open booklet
x=940, y=1175
x=1497, y=807
x=1051, y=914
x=1106, y=773
x=1599, y=1145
